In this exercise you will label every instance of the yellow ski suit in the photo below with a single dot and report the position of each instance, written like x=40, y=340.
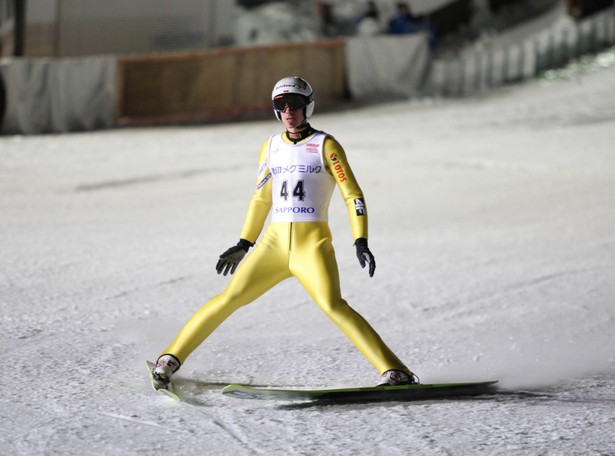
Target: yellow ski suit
x=288, y=247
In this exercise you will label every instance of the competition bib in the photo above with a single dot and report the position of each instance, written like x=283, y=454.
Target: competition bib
x=302, y=187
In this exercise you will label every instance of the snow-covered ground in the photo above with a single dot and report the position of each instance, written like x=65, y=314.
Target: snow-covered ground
x=492, y=225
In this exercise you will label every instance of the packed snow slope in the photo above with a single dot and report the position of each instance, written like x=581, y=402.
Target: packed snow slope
x=491, y=220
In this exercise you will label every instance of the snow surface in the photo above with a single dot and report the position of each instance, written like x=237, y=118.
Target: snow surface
x=492, y=224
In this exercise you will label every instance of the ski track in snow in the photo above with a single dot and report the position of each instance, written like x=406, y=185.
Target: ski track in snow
x=491, y=221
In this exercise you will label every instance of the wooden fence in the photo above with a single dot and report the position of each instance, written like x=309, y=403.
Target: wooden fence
x=223, y=84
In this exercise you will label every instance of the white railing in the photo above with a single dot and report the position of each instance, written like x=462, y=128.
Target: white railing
x=483, y=67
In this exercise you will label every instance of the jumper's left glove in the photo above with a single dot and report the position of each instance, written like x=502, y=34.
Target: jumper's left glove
x=230, y=259
x=365, y=256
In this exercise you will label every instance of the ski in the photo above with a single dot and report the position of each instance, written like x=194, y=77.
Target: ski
x=364, y=394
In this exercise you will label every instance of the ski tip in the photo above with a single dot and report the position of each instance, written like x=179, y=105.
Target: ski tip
x=169, y=394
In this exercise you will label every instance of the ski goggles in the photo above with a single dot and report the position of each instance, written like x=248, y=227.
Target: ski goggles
x=291, y=100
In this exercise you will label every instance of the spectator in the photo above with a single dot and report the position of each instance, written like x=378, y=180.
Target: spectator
x=404, y=22
x=368, y=23
x=329, y=26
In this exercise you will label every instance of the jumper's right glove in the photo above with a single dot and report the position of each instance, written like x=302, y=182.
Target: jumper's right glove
x=230, y=259
x=364, y=255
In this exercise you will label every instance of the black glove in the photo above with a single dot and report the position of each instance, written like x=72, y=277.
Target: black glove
x=365, y=256
x=230, y=259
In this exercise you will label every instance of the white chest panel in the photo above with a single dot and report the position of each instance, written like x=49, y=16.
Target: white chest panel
x=302, y=187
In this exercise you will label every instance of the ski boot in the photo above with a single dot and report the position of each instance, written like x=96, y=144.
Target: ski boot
x=166, y=366
x=395, y=377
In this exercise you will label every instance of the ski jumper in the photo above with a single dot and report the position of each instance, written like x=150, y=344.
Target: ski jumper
x=295, y=183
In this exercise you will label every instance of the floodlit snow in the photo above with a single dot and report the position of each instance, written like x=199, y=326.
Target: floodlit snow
x=491, y=220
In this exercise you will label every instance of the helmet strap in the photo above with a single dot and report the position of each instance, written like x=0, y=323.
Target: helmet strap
x=300, y=135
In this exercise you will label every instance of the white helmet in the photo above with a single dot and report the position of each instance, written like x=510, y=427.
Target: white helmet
x=294, y=85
